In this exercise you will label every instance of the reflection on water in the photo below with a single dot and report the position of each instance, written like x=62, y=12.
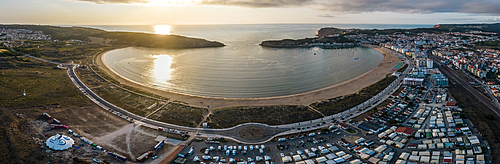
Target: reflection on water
x=162, y=69
x=163, y=29
x=257, y=72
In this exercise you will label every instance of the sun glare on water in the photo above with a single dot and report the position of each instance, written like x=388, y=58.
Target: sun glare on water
x=163, y=29
x=162, y=70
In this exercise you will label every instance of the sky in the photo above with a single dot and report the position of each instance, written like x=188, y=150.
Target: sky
x=185, y=12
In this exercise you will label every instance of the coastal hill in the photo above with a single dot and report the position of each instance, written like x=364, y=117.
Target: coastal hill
x=290, y=43
x=495, y=27
x=119, y=38
x=324, y=32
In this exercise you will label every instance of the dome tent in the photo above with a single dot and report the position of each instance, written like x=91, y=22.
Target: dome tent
x=59, y=142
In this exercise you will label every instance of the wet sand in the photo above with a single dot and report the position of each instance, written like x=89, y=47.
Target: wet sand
x=347, y=87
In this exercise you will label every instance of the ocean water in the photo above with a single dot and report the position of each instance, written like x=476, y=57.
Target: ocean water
x=242, y=69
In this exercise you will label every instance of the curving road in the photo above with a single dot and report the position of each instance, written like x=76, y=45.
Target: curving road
x=232, y=132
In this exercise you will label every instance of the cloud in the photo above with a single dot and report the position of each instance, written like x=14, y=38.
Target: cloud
x=117, y=1
x=490, y=7
x=326, y=15
x=497, y=19
x=257, y=3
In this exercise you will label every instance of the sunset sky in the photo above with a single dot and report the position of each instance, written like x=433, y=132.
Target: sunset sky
x=178, y=12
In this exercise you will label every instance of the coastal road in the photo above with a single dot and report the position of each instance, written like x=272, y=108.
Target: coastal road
x=232, y=132
x=152, y=123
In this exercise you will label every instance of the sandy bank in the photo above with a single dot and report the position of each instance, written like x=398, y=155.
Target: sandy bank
x=344, y=88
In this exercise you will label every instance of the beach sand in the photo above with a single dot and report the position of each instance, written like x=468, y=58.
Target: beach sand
x=348, y=87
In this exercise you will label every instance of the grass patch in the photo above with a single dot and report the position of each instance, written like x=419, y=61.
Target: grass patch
x=341, y=103
x=351, y=130
x=252, y=133
x=44, y=85
x=271, y=115
x=180, y=114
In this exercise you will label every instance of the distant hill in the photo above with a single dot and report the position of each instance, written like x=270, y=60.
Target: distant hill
x=435, y=29
x=495, y=27
x=122, y=38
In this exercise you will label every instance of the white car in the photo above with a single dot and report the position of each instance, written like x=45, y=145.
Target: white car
x=96, y=160
x=282, y=155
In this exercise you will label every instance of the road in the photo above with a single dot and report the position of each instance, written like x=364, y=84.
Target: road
x=152, y=123
x=232, y=132
x=452, y=75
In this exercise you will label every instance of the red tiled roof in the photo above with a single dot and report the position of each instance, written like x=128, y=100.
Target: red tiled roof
x=405, y=130
x=172, y=156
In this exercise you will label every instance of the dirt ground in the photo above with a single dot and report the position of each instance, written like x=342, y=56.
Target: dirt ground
x=252, y=133
x=351, y=139
x=104, y=129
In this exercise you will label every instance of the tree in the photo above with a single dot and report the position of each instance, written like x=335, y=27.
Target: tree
x=392, y=121
x=489, y=116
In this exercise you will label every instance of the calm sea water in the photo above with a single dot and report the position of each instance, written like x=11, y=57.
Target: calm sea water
x=242, y=69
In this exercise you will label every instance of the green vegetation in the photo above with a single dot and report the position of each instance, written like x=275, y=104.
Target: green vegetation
x=272, y=115
x=403, y=68
x=180, y=114
x=393, y=121
x=5, y=52
x=491, y=45
x=290, y=43
x=44, y=85
x=476, y=111
x=412, y=32
x=341, y=103
x=119, y=38
x=140, y=102
x=489, y=116
x=351, y=130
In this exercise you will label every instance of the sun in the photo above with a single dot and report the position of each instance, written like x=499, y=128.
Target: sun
x=168, y=2
x=163, y=29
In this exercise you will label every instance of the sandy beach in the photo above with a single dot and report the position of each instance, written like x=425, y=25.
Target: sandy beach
x=344, y=88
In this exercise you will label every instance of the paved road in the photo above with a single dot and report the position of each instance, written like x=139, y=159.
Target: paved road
x=464, y=83
x=232, y=132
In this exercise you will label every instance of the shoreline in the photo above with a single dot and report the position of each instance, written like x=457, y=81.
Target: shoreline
x=347, y=87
